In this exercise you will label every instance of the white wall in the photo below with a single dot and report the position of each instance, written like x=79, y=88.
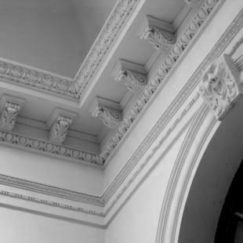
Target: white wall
x=22, y=227
x=137, y=221
x=50, y=171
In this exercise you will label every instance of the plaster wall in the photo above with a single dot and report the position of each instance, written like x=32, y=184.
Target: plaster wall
x=22, y=227
x=137, y=220
x=212, y=180
x=50, y=171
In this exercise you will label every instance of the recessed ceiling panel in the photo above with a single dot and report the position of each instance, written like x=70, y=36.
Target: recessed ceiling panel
x=54, y=35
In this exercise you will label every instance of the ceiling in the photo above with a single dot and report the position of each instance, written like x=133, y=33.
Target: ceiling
x=54, y=35
x=55, y=55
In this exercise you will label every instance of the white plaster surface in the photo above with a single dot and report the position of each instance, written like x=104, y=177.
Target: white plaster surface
x=22, y=227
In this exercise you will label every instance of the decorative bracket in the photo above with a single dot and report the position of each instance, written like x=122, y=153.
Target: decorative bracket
x=221, y=86
x=134, y=76
x=10, y=108
x=109, y=112
x=158, y=32
x=59, y=123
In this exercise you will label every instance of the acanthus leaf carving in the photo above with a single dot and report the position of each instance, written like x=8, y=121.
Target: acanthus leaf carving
x=134, y=76
x=108, y=112
x=10, y=108
x=157, y=32
x=221, y=86
x=59, y=129
x=59, y=123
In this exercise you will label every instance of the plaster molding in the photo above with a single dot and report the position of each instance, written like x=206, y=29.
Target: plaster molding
x=166, y=117
x=124, y=184
x=191, y=85
x=59, y=124
x=80, y=156
x=47, y=148
x=119, y=17
x=221, y=86
x=165, y=230
x=10, y=107
x=49, y=190
x=50, y=203
x=159, y=78
x=133, y=76
x=107, y=111
x=158, y=33
x=33, y=78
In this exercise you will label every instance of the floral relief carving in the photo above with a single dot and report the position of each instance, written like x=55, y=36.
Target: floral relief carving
x=221, y=86
x=9, y=115
x=133, y=76
x=59, y=129
x=109, y=116
x=158, y=33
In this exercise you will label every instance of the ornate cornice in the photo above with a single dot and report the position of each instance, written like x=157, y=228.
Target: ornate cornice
x=35, y=79
x=158, y=79
x=170, y=112
x=154, y=83
x=45, y=147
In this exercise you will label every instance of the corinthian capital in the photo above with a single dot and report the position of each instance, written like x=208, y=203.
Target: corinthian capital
x=221, y=86
x=108, y=112
x=133, y=76
x=59, y=124
x=158, y=33
x=10, y=108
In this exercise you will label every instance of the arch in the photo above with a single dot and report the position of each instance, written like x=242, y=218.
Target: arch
x=201, y=175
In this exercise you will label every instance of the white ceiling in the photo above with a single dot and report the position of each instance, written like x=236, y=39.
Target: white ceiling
x=54, y=35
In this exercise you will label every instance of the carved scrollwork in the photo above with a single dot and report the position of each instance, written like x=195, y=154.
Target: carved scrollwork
x=9, y=115
x=59, y=129
x=108, y=112
x=221, y=86
x=158, y=33
x=132, y=75
x=110, y=117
